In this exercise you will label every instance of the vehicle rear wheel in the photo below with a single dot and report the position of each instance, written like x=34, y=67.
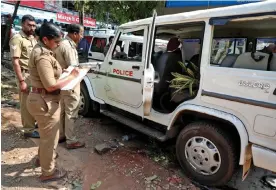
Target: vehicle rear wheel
x=206, y=153
x=87, y=107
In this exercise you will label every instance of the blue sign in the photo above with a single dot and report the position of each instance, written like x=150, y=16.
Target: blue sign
x=202, y=3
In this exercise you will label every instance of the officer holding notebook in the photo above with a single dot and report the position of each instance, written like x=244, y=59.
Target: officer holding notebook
x=67, y=55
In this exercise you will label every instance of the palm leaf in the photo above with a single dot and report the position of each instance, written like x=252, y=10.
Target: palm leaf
x=182, y=65
x=185, y=81
x=177, y=75
x=182, y=87
x=194, y=66
x=191, y=88
x=191, y=73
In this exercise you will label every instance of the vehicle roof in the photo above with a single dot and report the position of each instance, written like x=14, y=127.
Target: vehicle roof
x=251, y=8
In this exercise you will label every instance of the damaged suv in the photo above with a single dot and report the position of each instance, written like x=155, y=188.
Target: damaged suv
x=213, y=88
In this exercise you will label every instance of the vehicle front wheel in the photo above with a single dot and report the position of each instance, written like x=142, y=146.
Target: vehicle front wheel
x=206, y=153
x=87, y=107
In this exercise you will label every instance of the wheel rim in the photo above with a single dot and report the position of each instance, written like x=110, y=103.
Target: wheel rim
x=81, y=103
x=202, y=155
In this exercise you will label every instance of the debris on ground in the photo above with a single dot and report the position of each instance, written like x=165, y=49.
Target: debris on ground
x=174, y=179
x=153, y=182
x=269, y=181
x=9, y=103
x=76, y=185
x=106, y=146
x=96, y=185
x=128, y=137
x=151, y=178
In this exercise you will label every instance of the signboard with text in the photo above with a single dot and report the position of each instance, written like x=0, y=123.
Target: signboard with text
x=49, y=5
x=38, y=14
x=72, y=19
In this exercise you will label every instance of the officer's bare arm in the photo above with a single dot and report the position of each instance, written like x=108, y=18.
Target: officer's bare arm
x=17, y=69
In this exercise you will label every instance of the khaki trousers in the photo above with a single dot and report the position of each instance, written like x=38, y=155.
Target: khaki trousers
x=69, y=113
x=46, y=111
x=27, y=119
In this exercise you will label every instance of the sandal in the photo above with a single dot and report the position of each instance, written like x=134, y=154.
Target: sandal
x=75, y=145
x=58, y=174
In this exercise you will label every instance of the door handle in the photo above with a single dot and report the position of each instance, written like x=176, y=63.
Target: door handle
x=110, y=63
x=274, y=93
x=90, y=54
x=136, y=67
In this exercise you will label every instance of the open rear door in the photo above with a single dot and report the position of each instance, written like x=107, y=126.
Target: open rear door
x=148, y=78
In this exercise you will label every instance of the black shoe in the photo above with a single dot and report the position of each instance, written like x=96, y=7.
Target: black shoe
x=33, y=134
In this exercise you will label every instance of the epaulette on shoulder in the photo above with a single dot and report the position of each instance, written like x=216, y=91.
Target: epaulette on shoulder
x=16, y=36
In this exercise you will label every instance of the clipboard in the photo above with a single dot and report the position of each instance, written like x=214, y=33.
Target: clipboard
x=71, y=85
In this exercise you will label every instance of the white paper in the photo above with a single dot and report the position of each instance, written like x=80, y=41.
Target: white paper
x=71, y=85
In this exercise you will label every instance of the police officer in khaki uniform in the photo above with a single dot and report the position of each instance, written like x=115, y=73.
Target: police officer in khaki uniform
x=44, y=97
x=67, y=55
x=21, y=46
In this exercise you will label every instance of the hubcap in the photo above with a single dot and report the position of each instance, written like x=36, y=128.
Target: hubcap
x=202, y=155
x=81, y=103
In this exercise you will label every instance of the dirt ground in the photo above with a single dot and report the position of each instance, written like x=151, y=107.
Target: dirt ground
x=140, y=163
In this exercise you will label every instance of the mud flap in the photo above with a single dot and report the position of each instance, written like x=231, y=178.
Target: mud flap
x=247, y=162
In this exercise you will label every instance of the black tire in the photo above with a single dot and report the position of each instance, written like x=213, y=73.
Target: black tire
x=90, y=107
x=225, y=147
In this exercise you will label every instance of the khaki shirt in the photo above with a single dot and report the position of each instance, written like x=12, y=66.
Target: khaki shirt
x=21, y=46
x=66, y=53
x=44, y=69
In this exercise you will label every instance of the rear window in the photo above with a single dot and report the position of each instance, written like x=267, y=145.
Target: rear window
x=98, y=45
x=264, y=42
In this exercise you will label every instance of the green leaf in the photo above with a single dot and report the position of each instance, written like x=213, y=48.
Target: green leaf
x=191, y=73
x=185, y=81
x=194, y=66
x=182, y=65
x=191, y=88
x=119, y=11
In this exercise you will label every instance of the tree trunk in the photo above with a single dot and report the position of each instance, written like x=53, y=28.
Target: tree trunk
x=81, y=12
x=8, y=29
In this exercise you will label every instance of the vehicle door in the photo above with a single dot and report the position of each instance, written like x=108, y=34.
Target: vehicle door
x=124, y=73
x=149, y=74
x=130, y=77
